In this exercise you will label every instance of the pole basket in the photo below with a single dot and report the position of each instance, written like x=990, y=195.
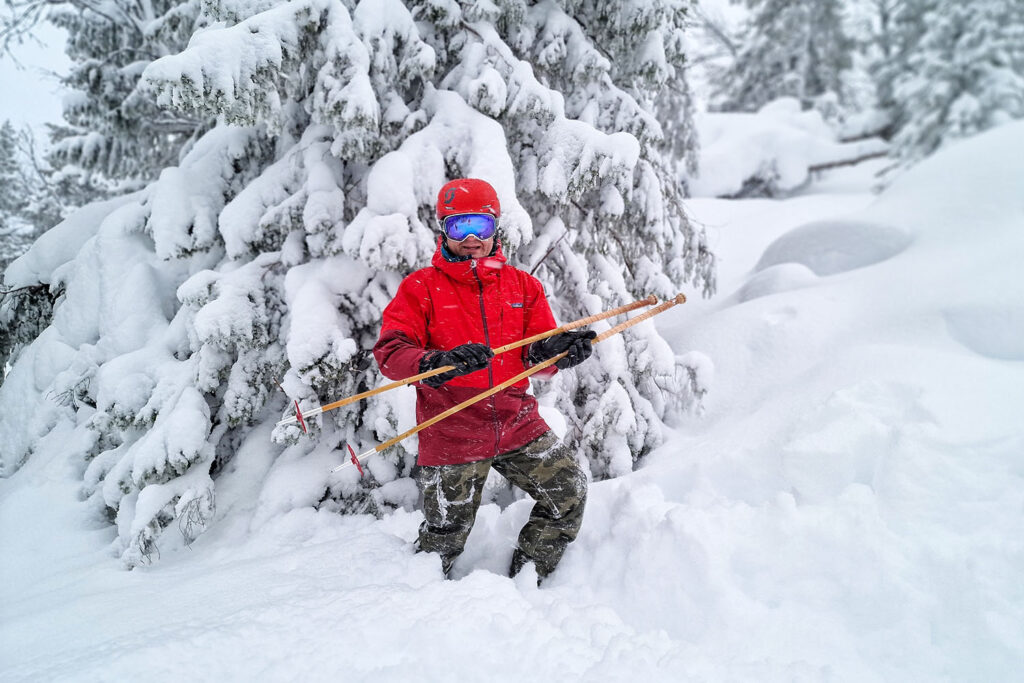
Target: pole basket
x=355, y=460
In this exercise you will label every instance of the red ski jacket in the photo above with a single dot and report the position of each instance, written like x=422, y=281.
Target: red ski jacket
x=458, y=302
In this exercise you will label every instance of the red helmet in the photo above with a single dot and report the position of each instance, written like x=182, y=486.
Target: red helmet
x=467, y=195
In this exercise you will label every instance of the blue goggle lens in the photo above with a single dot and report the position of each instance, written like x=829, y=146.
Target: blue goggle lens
x=480, y=225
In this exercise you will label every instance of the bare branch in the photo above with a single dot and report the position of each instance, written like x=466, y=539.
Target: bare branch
x=846, y=162
x=548, y=253
x=712, y=27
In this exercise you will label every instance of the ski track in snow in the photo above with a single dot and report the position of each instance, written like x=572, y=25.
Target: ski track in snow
x=848, y=507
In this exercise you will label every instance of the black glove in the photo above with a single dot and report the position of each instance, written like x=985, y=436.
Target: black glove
x=577, y=343
x=466, y=359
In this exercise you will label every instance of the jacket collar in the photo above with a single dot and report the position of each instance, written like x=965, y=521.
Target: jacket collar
x=467, y=270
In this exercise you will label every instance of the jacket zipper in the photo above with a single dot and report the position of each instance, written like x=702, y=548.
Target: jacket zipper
x=487, y=340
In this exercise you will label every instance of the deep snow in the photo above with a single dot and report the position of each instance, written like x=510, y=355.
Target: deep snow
x=849, y=505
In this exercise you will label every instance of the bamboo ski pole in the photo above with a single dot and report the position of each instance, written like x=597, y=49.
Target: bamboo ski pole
x=357, y=459
x=582, y=322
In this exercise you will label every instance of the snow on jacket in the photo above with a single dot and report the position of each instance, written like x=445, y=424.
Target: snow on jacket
x=457, y=302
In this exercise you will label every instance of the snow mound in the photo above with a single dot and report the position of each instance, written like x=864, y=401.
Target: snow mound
x=831, y=247
x=971, y=182
x=862, y=446
x=846, y=440
x=781, y=277
x=993, y=331
x=61, y=243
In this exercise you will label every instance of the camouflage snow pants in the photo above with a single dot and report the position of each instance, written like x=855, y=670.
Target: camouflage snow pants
x=543, y=468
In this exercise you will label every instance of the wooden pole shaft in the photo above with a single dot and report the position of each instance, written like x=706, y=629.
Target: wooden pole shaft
x=454, y=409
x=582, y=322
x=680, y=298
x=660, y=308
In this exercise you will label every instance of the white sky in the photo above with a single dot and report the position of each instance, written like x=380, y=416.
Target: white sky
x=31, y=93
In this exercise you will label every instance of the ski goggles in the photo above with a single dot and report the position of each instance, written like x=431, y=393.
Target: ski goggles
x=462, y=225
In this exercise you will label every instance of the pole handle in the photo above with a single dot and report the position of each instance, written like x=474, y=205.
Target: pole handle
x=660, y=308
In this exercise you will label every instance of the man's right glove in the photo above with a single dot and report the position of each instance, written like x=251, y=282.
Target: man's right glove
x=577, y=343
x=466, y=359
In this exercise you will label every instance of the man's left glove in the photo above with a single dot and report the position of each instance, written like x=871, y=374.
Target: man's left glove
x=466, y=359
x=576, y=342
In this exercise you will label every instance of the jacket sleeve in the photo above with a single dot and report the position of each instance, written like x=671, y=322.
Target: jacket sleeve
x=539, y=318
x=403, y=332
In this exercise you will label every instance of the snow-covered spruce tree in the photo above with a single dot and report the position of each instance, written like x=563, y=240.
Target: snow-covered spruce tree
x=15, y=237
x=955, y=70
x=272, y=250
x=12, y=190
x=29, y=205
x=13, y=233
x=50, y=196
x=114, y=138
x=790, y=48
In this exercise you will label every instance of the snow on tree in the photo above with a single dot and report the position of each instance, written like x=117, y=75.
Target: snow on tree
x=953, y=70
x=790, y=48
x=12, y=191
x=114, y=138
x=15, y=238
x=271, y=250
x=14, y=233
x=28, y=202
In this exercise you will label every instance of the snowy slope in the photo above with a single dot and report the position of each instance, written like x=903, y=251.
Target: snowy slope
x=848, y=507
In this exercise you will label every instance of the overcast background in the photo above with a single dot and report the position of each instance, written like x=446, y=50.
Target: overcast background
x=31, y=92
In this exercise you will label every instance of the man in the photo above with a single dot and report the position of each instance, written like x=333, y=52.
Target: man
x=453, y=313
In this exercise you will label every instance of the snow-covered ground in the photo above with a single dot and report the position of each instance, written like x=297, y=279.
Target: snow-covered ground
x=848, y=507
